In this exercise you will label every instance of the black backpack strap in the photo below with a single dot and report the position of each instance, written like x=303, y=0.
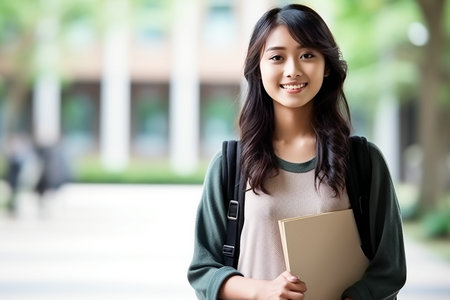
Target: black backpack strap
x=233, y=184
x=359, y=177
x=358, y=184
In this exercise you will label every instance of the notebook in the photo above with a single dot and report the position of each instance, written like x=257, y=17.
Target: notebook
x=324, y=251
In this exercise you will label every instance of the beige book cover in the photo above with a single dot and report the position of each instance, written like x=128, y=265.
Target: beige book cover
x=323, y=251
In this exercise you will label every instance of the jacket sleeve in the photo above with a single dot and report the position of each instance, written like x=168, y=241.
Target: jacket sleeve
x=206, y=272
x=386, y=273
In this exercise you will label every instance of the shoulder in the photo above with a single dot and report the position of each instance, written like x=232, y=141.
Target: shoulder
x=216, y=160
x=361, y=145
x=367, y=155
x=377, y=158
x=214, y=170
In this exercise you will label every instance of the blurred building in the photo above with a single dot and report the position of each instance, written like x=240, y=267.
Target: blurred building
x=163, y=80
x=160, y=80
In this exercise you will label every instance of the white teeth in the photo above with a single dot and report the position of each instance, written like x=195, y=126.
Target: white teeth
x=293, y=86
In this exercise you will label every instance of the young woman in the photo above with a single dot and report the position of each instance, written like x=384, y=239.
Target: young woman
x=295, y=128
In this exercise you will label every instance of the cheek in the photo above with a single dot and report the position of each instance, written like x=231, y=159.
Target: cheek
x=264, y=76
x=266, y=86
x=269, y=84
x=268, y=76
x=317, y=76
x=315, y=71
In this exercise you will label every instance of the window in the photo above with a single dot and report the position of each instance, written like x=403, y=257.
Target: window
x=220, y=24
x=151, y=19
x=150, y=120
x=79, y=119
x=219, y=107
x=80, y=34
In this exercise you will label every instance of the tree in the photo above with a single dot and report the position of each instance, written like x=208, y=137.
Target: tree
x=18, y=21
x=376, y=30
x=19, y=29
x=434, y=112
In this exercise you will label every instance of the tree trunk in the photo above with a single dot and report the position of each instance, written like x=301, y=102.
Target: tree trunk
x=432, y=185
x=16, y=102
x=18, y=86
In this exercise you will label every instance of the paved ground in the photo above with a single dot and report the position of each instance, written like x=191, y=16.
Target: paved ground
x=130, y=242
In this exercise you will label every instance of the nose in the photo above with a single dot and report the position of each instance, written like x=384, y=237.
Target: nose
x=293, y=68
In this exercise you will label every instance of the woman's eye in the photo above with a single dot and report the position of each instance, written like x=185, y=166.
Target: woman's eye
x=276, y=58
x=307, y=56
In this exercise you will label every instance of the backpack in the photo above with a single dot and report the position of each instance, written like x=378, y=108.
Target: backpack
x=358, y=189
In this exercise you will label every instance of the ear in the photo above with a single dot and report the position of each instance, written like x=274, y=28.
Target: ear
x=327, y=72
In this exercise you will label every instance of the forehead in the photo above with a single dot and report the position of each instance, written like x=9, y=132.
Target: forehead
x=280, y=37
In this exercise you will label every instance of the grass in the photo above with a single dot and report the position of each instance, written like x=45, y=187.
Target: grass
x=90, y=170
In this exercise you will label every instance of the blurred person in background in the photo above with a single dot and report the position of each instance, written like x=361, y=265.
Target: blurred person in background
x=23, y=169
x=295, y=139
x=30, y=168
x=54, y=173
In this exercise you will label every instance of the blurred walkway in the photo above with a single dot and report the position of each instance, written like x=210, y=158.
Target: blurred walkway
x=130, y=242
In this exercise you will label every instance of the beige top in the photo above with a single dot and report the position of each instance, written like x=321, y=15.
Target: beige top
x=292, y=194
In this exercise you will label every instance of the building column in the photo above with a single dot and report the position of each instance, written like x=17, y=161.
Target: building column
x=387, y=135
x=387, y=120
x=46, y=110
x=115, y=88
x=184, y=106
x=47, y=90
x=252, y=10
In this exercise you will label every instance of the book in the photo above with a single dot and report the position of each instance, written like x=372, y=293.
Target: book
x=324, y=251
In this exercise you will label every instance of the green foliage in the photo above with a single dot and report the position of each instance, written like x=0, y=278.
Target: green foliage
x=440, y=246
x=373, y=37
x=75, y=10
x=437, y=223
x=80, y=20
x=16, y=17
x=408, y=198
x=138, y=171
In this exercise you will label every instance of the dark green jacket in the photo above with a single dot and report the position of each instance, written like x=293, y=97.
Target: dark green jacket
x=383, y=278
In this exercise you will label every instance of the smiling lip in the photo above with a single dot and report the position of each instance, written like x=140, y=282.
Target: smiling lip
x=293, y=87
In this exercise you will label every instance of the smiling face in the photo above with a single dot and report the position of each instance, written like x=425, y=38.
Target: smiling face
x=291, y=74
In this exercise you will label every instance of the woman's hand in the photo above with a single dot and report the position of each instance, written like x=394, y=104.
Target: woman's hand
x=286, y=286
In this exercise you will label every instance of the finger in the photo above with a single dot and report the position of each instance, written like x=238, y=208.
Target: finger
x=289, y=277
x=299, y=286
x=294, y=295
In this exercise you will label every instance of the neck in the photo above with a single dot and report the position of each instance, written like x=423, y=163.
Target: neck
x=294, y=137
x=291, y=124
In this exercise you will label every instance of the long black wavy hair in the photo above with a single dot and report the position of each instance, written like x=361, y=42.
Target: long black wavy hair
x=331, y=119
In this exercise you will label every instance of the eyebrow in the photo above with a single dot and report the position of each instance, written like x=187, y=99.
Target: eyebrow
x=282, y=48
